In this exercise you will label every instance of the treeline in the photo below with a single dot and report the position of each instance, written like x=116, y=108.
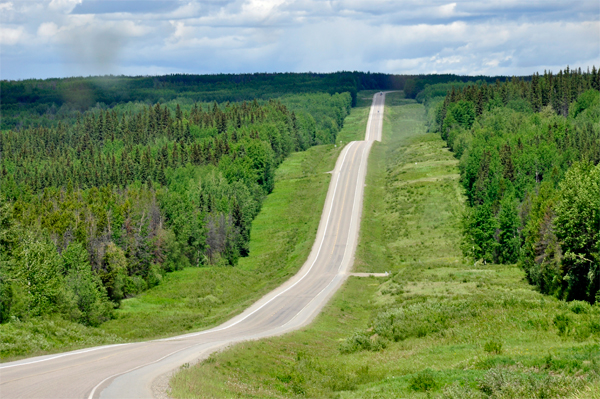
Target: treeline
x=529, y=159
x=98, y=210
x=46, y=102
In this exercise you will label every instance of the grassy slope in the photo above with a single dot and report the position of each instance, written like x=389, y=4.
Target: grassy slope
x=472, y=328
x=196, y=298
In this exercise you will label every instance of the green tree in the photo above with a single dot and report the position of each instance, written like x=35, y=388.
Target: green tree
x=114, y=272
x=577, y=227
x=479, y=228
x=86, y=287
x=38, y=270
x=508, y=236
x=463, y=112
x=583, y=102
x=8, y=240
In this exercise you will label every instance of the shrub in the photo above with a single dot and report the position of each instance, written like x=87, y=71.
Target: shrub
x=562, y=322
x=579, y=307
x=493, y=346
x=420, y=320
x=423, y=382
x=362, y=341
x=501, y=383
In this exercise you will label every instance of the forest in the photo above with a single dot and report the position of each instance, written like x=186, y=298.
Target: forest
x=100, y=209
x=36, y=102
x=529, y=153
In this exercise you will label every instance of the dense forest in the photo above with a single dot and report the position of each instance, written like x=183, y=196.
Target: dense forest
x=99, y=209
x=46, y=102
x=529, y=155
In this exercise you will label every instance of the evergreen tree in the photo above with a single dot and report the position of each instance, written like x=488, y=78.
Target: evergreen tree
x=508, y=238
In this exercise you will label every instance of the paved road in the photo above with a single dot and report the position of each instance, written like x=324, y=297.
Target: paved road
x=136, y=370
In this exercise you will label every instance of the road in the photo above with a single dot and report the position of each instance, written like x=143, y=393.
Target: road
x=138, y=370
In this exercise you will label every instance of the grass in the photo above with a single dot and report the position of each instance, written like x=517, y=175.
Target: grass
x=355, y=123
x=413, y=201
x=439, y=326
x=197, y=298
x=48, y=335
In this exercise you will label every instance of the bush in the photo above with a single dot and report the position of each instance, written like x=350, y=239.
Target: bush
x=500, y=383
x=420, y=320
x=362, y=341
x=423, y=382
x=493, y=346
x=579, y=307
x=562, y=322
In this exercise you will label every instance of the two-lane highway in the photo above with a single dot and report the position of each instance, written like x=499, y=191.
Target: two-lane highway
x=131, y=370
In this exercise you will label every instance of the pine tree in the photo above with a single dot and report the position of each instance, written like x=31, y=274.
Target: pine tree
x=535, y=95
x=508, y=236
x=160, y=175
x=507, y=163
x=595, y=78
x=479, y=103
x=187, y=138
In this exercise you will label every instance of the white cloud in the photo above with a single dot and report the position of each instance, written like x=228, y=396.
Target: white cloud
x=6, y=6
x=63, y=5
x=211, y=36
x=47, y=30
x=11, y=36
x=447, y=11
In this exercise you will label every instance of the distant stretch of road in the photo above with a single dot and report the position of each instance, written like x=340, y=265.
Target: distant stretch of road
x=132, y=370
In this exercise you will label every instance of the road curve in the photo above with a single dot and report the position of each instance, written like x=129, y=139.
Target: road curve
x=131, y=370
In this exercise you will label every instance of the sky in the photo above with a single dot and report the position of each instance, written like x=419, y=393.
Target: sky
x=60, y=38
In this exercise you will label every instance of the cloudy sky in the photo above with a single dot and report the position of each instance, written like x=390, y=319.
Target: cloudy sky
x=56, y=38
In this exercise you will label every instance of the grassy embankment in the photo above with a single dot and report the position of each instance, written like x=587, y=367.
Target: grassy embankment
x=197, y=298
x=439, y=327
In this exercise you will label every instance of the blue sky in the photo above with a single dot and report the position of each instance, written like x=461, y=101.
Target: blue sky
x=57, y=38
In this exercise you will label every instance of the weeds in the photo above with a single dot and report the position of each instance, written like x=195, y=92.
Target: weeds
x=362, y=341
x=562, y=322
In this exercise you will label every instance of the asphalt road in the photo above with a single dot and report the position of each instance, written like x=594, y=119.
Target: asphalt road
x=136, y=370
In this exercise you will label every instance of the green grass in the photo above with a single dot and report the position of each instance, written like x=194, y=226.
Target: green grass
x=197, y=298
x=439, y=326
x=48, y=335
x=355, y=124
x=413, y=201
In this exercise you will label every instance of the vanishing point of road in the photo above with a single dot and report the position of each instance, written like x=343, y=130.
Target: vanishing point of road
x=136, y=370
